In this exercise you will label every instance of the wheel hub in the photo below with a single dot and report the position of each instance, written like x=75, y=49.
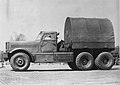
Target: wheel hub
x=85, y=61
x=105, y=61
x=20, y=61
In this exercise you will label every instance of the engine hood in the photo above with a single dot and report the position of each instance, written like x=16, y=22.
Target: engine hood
x=32, y=46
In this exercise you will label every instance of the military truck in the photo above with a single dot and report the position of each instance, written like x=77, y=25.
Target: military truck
x=87, y=44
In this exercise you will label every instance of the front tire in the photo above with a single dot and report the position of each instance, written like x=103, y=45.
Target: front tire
x=84, y=61
x=20, y=61
x=104, y=61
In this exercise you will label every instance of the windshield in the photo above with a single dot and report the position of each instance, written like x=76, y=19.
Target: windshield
x=39, y=36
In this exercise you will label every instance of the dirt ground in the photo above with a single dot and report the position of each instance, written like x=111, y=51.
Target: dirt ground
x=56, y=74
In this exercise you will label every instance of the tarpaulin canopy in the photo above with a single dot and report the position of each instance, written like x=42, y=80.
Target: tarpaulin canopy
x=90, y=31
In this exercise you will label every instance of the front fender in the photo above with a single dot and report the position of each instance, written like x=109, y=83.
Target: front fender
x=17, y=49
x=22, y=50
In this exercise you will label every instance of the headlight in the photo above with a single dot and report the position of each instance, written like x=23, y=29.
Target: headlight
x=7, y=46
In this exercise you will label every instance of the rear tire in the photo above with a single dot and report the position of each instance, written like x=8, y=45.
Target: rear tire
x=20, y=61
x=104, y=61
x=84, y=61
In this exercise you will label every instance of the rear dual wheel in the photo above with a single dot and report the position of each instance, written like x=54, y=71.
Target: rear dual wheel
x=104, y=61
x=84, y=61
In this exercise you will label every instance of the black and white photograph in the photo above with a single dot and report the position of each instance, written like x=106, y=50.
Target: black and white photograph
x=59, y=42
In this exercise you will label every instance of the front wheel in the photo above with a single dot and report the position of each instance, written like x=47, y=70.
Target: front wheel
x=20, y=61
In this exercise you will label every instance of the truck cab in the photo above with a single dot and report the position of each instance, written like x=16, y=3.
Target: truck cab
x=44, y=40
x=48, y=41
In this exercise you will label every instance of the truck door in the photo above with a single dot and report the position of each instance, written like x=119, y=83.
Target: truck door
x=49, y=42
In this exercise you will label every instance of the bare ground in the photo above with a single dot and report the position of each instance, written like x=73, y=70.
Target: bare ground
x=56, y=74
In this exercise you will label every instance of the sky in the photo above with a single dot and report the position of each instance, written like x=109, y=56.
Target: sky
x=29, y=17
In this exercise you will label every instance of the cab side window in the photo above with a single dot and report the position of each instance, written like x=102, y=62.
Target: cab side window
x=49, y=37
